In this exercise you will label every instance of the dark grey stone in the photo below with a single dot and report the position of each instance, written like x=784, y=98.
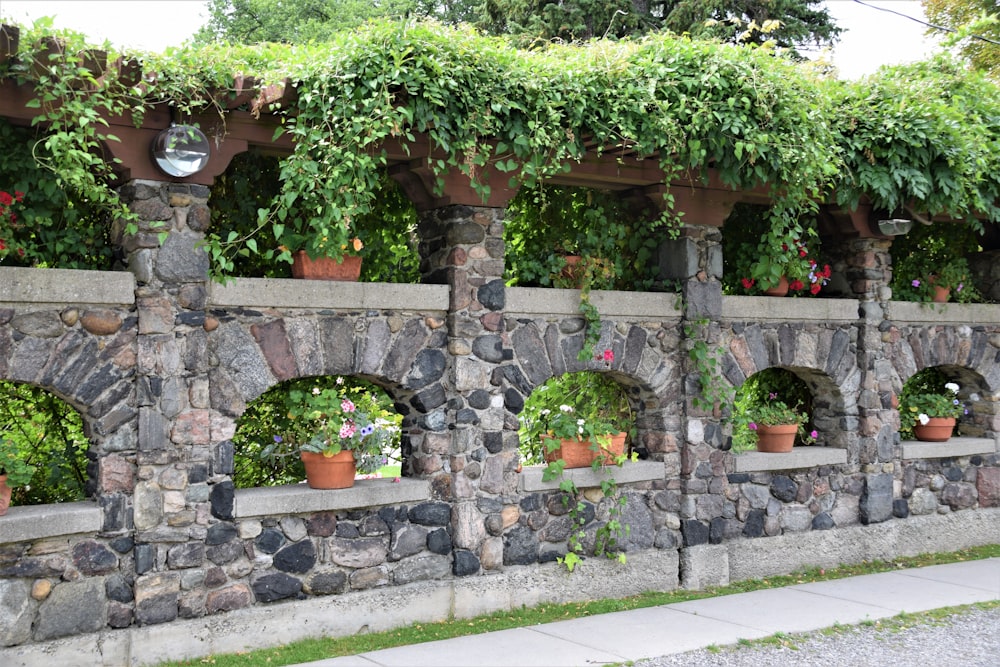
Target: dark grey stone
x=221, y=554
x=900, y=508
x=783, y=488
x=488, y=348
x=520, y=546
x=493, y=442
x=639, y=519
x=220, y=533
x=93, y=558
x=326, y=583
x=754, y=524
x=269, y=540
x=118, y=589
x=276, y=586
x=513, y=400
x=694, y=532
x=479, y=399
x=430, y=398
x=465, y=563
x=407, y=540
x=875, y=504
x=187, y=555
x=145, y=557
x=297, y=558
x=223, y=500
x=439, y=542
x=428, y=367
x=431, y=514
x=122, y=544
x=823, y=521
x=180, y=261
x=492, y=295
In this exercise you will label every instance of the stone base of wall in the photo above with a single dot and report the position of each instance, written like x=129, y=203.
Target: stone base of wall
x=933, y=533
x=355, y=613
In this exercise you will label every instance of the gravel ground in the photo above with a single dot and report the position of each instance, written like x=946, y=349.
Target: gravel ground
x=970, y=638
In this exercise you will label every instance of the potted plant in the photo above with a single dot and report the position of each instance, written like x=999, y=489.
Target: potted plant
x=929, y=409
x=336, y=433
x=930, y=265
x=770, y=253
x=14, y=471
x=777, y=425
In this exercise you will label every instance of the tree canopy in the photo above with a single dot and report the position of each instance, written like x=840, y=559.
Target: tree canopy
x=956, y=13
x=799, y=22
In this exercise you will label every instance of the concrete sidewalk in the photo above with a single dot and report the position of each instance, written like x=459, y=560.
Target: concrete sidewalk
x=675, y=628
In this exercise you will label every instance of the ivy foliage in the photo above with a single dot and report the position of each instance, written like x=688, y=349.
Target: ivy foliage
x=922, y=136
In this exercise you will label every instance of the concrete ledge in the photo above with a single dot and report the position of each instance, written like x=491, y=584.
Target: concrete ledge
x=288, y=293
x=585, y=478
x=915, y=535
x=609, y=303
x=944, y=313
x=913, y=449
x=36, y=522
x=798, y=458
x=769, y=308
x=353, y=613
x=66, y=286
x=299, y=498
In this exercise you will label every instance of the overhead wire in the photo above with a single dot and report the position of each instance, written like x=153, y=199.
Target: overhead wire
x=922, y=22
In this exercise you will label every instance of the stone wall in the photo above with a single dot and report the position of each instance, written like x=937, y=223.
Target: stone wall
x=161, y=363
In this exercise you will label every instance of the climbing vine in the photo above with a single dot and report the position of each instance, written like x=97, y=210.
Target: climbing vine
x=923, y=137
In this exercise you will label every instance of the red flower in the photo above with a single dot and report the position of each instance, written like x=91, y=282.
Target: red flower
x=747, y=283
x=802, y=252
x=815, y=288
x=796, y=285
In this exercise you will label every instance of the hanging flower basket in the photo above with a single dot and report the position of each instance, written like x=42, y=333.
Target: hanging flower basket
x=937, y=429
x=329, y=472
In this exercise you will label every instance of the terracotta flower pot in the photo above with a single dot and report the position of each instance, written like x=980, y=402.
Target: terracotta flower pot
x=775, y=439
x=937, y=429
x=4, y=495
x=329, y=472
x=781, y=289
x=578, y=453
x=941, y=294
x=325, y=268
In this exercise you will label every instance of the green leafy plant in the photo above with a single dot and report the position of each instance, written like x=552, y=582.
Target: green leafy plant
x=928, y=394
x=17, y=469
x=323, y=415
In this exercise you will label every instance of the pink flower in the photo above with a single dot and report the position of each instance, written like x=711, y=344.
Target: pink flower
x=752, y=426
x=609, y=355
x=346, y=405
x=813, y=434
x=348, y=429
x=747, y=283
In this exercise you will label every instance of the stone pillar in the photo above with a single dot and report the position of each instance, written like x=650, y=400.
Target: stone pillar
x=867, y=267
x=702, y=471
x=463, y=246
x=176, y=503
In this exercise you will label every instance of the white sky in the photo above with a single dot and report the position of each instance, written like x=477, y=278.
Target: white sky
x=871, y=37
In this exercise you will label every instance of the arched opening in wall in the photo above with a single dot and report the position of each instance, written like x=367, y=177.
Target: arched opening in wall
x=252, y=181
x=577, y=405
x=43, y=446
x=772, y=397
x=566, y=236
x=759, y=250
x=945, y=392
x=316, y=413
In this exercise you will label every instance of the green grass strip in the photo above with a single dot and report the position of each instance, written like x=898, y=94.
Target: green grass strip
x=308, y=650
